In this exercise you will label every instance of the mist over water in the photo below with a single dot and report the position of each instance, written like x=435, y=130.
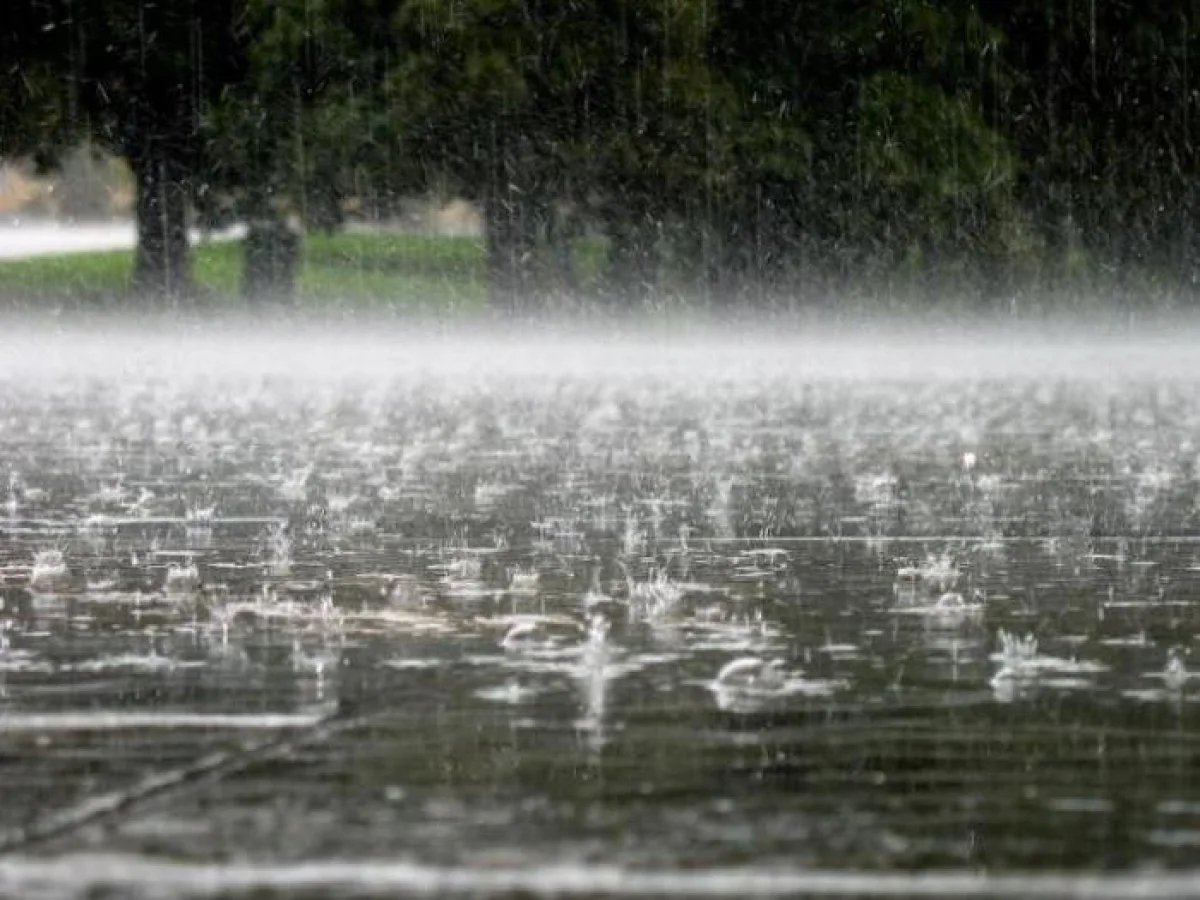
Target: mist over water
x=552, y=610
x=687, y=348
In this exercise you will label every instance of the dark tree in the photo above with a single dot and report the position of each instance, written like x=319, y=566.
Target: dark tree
x=137, y=78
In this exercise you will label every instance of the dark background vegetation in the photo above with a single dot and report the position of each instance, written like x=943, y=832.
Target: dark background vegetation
x=731, y=151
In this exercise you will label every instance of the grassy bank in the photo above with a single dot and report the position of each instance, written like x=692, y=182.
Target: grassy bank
x=445, y=277
x=359, y=271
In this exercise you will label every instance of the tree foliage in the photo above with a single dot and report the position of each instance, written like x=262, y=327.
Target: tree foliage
x=723, y=147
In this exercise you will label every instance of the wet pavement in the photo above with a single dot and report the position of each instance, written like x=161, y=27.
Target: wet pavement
x=369, y=617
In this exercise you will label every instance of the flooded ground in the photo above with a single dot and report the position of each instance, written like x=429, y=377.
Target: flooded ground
x=371, y=615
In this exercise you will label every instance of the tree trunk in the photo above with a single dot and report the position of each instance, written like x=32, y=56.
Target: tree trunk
x=511, y=242
x=633, y=257
x=161, y=266
x=729, y=261
x=271, y=254
x=564, y=227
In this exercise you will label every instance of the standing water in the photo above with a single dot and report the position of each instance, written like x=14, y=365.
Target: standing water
x=377, y=615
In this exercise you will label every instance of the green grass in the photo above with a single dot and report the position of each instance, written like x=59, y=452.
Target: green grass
x=405, y=274
x=87, y=277
x=389, y=271
x=359, y=271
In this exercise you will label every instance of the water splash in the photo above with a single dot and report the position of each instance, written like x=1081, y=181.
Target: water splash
x=183, y=579
x=279, y=552
x=49, y=572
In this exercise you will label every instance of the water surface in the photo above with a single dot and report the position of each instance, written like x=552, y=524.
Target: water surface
x=372, y=613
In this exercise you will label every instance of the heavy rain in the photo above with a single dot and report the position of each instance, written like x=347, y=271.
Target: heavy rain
x=502, y=448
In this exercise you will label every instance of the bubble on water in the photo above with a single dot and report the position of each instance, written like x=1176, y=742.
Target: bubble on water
x=538, y=635
x=752, y=674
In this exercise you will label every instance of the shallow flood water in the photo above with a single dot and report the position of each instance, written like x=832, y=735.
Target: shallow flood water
x=359, y=614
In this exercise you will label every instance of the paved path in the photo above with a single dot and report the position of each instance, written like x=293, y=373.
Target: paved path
x=49, y=238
